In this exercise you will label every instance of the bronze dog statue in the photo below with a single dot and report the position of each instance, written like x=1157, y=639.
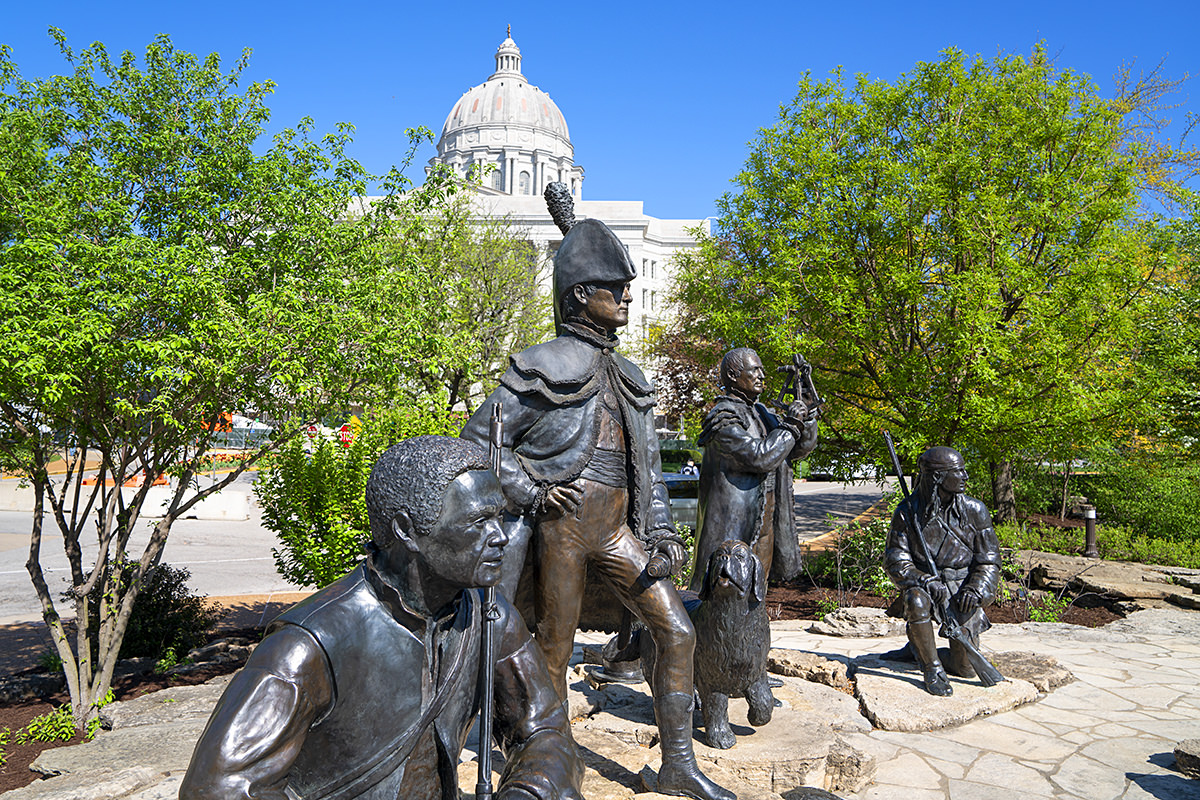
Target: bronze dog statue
x=733, y=638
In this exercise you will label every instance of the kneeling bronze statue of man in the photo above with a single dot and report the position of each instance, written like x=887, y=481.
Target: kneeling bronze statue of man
x=965, y=572
x=367, y=689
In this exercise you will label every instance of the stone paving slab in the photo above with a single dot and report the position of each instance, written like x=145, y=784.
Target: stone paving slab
x=893, y=696
x=1082, y=742
x=1109, y=734
x=164, y=747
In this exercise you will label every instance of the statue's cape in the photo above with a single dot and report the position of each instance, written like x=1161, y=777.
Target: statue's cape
x=568, y=369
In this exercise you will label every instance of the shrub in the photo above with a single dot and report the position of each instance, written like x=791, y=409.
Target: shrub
x=1121, y=544
x=1020, y=536
x=57, y=725
x=54, y=726
x=1158, y=498
x=312, y=494
x=689, y=543
x=168, y=659
x=676, y=452
x=1115, y=543
x=1050, y=609
x=50, y=661
x=855, y=560
x=165, y=614
x=826, y=606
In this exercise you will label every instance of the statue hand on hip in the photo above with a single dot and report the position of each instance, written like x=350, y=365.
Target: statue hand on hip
x=564, y=499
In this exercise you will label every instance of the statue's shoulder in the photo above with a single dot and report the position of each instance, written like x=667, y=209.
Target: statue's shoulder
x=728, y=406
x=562, y=360
x=978, y=510
x=633, y=373
x=341, y=592
x=726, y=412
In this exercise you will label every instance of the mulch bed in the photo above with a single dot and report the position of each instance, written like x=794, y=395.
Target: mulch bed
x=15, y=772
x=800, y=600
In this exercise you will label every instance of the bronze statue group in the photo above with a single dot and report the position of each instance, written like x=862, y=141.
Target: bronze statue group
x=368, y=688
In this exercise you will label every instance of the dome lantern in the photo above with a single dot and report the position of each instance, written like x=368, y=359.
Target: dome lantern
x=508, y=58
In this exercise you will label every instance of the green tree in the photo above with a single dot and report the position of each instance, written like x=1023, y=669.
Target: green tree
x=489, y=296
x=313, y=492
x=1177, y=340
x=159, y=266
x=958, y=253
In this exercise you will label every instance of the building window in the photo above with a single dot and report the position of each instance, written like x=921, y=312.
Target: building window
x=653, y=300
x=644, y=294
x=498, y=178
x=653, y=268
x=523, y=183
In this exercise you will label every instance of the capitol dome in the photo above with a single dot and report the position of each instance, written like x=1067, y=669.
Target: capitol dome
x=512, y=130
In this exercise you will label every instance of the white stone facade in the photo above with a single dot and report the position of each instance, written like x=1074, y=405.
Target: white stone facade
x=518, y=135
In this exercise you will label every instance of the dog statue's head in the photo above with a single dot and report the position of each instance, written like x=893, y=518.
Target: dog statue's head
x=734, y=571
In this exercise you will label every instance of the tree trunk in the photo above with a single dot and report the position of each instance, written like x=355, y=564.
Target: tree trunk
x=1003, y=497
x=1062, y=509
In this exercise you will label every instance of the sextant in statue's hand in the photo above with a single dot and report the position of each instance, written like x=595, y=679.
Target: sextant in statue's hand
x=797, y=412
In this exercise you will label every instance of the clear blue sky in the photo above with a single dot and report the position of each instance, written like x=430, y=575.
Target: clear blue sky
x=661, y=98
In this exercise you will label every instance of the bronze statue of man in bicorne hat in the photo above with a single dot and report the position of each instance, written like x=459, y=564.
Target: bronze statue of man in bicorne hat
x=580, y=462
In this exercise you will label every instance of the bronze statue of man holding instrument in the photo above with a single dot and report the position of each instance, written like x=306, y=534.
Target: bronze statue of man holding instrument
x=746, y=477
x=943, y=554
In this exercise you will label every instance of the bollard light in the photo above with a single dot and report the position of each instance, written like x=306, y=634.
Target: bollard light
x=1089, y=537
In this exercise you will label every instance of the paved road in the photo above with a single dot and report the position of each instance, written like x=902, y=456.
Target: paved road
x=234, y=558
x=822, y=505
x=225, y=558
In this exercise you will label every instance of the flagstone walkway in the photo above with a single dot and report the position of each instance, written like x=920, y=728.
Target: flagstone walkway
x=1108, y=735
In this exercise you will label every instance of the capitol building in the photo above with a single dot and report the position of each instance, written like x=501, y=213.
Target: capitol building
x=512, y=134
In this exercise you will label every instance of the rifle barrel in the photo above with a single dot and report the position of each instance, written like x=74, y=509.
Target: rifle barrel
x=487, y=644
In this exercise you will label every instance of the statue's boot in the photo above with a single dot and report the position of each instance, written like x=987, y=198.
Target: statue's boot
x=958, y=664
x=920, y=636
x=679, y=773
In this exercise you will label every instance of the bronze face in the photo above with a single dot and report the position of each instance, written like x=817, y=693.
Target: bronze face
x=751, y=380
x=608, y=307
x=466, y=545
x=953, y=480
